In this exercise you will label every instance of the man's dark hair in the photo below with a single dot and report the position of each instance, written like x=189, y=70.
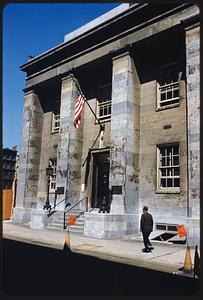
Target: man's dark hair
x=145, y=208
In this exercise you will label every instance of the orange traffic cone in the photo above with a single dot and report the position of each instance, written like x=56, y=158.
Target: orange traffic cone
x=188, y=261
x=67, y=242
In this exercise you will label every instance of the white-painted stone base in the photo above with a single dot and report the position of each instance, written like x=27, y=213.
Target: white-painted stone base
x=193, y=229
x=117, y=205
x=110, y=226
x=37, y=219
x=21, y=215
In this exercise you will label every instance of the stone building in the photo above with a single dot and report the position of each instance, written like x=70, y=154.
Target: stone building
x=138, y=67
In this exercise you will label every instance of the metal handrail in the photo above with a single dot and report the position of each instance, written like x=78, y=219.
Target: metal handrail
x=66, y=211
x=53, y=207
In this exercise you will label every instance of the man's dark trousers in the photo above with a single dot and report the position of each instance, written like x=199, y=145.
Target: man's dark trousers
x=146, y=239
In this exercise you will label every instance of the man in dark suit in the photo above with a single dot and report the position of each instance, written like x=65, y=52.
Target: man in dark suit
x=146, y=227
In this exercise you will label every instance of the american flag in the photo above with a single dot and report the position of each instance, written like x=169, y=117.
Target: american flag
x=78, y=109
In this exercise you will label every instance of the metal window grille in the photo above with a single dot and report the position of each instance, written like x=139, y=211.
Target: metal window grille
x=169, y=167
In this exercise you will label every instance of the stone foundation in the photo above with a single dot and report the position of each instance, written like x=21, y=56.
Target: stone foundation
x=21, y=215
x=37, y=219
x=110, y=226
x=193, y=229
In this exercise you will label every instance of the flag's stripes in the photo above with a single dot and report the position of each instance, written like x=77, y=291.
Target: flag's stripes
x=78, y=109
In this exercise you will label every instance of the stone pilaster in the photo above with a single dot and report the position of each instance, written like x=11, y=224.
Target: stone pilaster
x=69, y=146
x=192, y=38
x=29, y=158
x=125, y=135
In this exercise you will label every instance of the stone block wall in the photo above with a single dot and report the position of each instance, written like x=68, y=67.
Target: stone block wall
x=152, y=133
x=48, y=150
x=29, y=158
x=124, y=164
x=70, y=145
x=192, y=36
x=109, y=226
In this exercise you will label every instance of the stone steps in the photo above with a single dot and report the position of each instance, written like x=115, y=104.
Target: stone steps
x=57, y=223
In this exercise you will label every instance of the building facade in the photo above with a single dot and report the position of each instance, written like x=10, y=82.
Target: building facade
x=138, y=67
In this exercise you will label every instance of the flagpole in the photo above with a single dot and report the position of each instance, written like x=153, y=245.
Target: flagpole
x=79, y=88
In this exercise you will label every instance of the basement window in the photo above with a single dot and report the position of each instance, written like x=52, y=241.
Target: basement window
x=168, y=232
x=164, y=236
x=167, y=227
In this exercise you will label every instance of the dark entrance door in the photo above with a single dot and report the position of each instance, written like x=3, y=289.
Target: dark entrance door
x=100, y=179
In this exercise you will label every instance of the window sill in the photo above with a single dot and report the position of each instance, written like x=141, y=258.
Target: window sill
x=53, y=132
x=103, y=120
x=167, y=192
x=167, y=106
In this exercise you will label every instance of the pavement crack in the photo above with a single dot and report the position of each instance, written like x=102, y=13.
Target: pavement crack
x=165, y=254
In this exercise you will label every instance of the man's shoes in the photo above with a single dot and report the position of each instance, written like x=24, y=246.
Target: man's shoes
x=146, y=250
x=151, y=248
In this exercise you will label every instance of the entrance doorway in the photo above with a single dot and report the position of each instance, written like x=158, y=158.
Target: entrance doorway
x=100, y=178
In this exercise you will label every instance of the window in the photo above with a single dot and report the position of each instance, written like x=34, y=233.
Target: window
x=168, y=167
x=52, y=186
x=55, y=122
x=168, y=86
x=104, y=102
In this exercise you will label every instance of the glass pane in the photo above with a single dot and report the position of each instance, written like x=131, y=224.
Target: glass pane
x=176, y=160
x=104, y=93
x=169, y=172
x=163, y=182
x=169, y=95
x=162, y=151
x=176, y=93
x=163, y=162
x=163, y=172
x=168, y=161
x=175, y=150
x=177, y=171
x=173, y=101
x=169, y=182
x=176, y=182
x=169, y=150
x=163, y=96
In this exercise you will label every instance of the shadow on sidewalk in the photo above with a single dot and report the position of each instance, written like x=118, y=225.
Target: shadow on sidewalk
x=35, y=270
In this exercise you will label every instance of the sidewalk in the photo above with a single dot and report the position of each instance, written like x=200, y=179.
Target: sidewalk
x=166, y=257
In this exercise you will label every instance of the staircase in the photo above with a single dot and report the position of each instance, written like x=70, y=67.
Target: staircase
x=57, y=222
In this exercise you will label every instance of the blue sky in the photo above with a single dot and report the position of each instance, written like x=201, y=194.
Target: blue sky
x=31, y=29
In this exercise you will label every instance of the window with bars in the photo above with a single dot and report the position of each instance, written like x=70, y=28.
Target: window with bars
x=168, y=85
x=104, y=101
x=55, y=122
x=168, y=167
x=52, y=186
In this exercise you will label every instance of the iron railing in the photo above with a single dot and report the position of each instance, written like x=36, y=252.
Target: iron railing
x=66, y=211
x=53, y=208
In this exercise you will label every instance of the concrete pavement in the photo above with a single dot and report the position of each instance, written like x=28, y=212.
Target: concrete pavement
x=166, y=257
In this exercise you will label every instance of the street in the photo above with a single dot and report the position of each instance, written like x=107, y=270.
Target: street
x=35, y=270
